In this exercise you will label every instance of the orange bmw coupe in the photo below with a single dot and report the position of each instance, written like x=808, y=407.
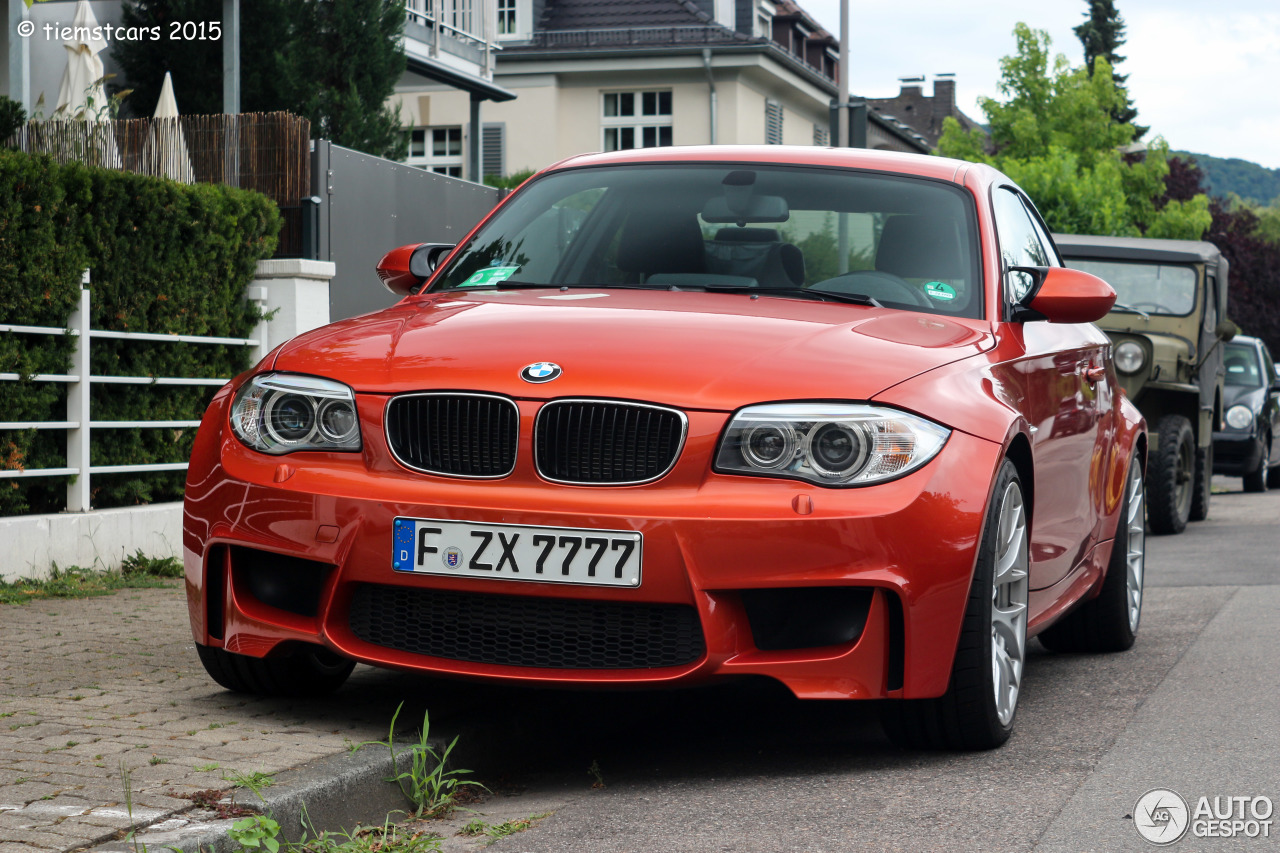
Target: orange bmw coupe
x=833, y=417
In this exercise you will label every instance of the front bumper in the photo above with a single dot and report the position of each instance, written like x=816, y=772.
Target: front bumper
x=711, y=544
x=1236, y=453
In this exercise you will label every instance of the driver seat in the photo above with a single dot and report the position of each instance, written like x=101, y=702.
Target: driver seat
x=915, y=245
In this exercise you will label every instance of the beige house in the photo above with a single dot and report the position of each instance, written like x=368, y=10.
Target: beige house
x=593, y=75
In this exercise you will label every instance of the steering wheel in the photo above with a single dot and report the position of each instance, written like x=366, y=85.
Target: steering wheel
x=1156, y=307
x=883, y=286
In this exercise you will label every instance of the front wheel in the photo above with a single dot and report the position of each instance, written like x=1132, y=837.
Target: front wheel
x=1109, y=622
x=978, y=708
x=1204, y=480
x=1256, y=480
x=306, y=671
x=1171, y=477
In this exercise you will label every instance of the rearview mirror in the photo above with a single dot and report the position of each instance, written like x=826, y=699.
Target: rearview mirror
x=404, y=270
x=1062, y=295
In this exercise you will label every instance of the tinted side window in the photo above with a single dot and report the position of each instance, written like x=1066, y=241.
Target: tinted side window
x=1019, y=241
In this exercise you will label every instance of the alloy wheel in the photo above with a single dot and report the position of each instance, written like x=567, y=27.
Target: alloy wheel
x=1009, y=603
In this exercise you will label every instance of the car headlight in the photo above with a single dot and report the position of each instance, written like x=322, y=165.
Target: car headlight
x=1239, y=417
x=279, y=413
x=1130, y=357
x=830, y=444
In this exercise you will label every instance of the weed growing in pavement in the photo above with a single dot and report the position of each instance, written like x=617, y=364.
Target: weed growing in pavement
x=255, y=781
x=594, y=772
x=256, y=832
x=388, y=838
x=425, y=781
x=495, y=831
x=205, y=768
x=136, y=572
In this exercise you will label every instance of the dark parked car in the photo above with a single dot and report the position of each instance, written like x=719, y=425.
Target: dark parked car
x=1246, y=446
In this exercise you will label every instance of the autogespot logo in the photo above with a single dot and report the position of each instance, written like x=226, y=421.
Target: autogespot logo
x=1161, y=816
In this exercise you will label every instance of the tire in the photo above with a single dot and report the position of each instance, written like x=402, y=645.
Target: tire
x=1171, y=476
x=308, y=671
x=978, y=709
x=1204, y=480
x=1256, y=480
x=1273, y=478
x=1109, y=622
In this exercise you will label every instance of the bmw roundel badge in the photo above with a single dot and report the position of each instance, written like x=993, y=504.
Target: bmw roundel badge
x=543, y=371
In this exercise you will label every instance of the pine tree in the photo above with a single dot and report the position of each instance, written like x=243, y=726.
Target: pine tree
x=345, y=61
x=196, y=64
x=1102, y=34
x=334, y=62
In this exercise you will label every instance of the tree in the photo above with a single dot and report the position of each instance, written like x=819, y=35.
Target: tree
x=1253, y=295
x=1101, y=35
x=347, y=57
x=1055, y=135
x=334, y=62
x=196, y=64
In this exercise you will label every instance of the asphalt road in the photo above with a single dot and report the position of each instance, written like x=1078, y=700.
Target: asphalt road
x=1192, y=707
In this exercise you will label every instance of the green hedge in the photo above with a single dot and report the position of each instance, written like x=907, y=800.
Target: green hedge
x=164, y=257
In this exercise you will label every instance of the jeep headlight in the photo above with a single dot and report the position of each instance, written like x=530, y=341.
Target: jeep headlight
x=1130, y=357
x=1239, y=417
x=830, y=444
x=279, y=413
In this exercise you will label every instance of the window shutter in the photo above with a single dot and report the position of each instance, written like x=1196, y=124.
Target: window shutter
x=820, y=135
x=772, y=123
x=493, y=149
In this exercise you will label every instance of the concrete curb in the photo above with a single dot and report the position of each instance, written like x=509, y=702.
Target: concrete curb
x=337, y=792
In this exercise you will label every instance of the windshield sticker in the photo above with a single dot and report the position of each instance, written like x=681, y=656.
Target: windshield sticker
x=940, y=291
x=492, y=275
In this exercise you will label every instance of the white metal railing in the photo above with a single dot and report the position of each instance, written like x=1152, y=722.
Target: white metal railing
x=79, y=425
x=472, y=21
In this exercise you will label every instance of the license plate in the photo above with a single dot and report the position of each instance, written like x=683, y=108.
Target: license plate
x=516, y=552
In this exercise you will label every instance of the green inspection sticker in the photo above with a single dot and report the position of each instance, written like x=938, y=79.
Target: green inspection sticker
x=491, y=275
x=939, y=290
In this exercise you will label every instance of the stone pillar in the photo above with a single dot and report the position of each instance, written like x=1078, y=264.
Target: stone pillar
x=297, y=291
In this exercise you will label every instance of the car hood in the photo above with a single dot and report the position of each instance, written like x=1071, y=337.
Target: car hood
x=688, y=349
x=1243, y=395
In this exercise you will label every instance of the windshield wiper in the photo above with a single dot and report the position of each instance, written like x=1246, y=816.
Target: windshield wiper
x=1129, y=309
x=800, y=293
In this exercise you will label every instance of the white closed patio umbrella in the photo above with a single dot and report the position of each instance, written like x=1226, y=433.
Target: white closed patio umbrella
x=166, y=152
x=82, y=94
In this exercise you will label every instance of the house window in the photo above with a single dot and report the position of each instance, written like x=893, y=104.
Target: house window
x=436, y=148
x=506, y=17
x=636, y=119
x=772, y=123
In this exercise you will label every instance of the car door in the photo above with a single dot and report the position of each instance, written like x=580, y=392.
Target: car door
x=1068, y=397
x=1271, y=408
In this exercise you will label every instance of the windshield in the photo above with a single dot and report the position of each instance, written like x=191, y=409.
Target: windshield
x=1150, y=288
x=904, y=242
x=1243, y=366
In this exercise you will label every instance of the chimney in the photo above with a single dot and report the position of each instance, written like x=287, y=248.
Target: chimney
x=944, y=91
x=912, y=86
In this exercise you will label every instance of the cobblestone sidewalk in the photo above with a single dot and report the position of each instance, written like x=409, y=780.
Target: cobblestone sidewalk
x=93, y=685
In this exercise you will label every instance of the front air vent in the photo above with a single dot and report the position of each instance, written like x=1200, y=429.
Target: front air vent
x=454, y=434
x=607, y=442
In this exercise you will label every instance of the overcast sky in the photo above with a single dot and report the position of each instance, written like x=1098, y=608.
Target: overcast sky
x=1204, y=75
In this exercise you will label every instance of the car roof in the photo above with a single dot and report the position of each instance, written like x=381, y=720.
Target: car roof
x=1136, y=248
x=923, y=165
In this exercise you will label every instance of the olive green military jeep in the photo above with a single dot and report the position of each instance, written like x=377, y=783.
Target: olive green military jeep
x=1167, y=327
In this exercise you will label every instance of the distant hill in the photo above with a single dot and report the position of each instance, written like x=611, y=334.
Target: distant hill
x=1247, y=180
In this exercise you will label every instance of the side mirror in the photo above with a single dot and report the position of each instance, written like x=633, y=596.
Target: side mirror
x=1226, y=330
x=404, y=270
x=1063, y=295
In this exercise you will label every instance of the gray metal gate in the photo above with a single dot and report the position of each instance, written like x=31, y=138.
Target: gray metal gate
x=369, y=205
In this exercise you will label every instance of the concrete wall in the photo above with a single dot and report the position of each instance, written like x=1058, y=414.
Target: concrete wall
x=100, y=539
